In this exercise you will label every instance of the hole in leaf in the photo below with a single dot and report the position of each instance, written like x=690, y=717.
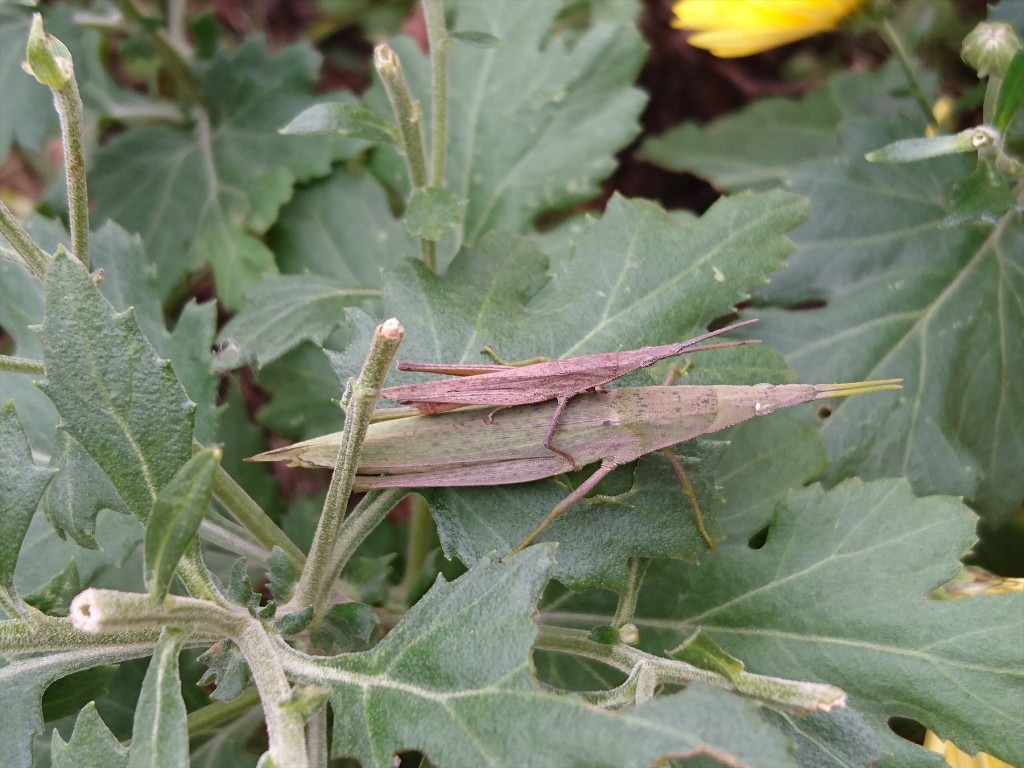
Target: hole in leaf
x=907, y=728
x=824, y=412
x=759, y=539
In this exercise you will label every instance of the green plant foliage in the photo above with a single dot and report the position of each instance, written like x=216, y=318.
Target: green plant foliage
x=839, y=592
x=22, y=483
x=233, y=153
x=159, y=734
x=123, y=404
x=92, y=745
x=23, y=680
x=552, y=117
x=297, y=244
x=174, y=521
x=757, y=147
x=458, y=667
x=951, y=329
x=27, y=115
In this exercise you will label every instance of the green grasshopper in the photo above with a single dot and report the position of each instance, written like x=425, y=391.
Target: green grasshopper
x=503, y=386
x=613, y=427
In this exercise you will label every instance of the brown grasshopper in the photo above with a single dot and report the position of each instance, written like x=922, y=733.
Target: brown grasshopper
x=614, y=427
x=504, y=386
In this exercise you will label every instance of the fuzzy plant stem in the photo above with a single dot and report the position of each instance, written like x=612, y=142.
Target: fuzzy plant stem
x=635, y=569
x=791, y=695
x=440, y=43
x=13, y=364
x=34, y=257
x=318, y=572
x=368, y=514
x=241, y=506
x=102, y=611
x=409, y=117
x=50, y=63
x=892, y=39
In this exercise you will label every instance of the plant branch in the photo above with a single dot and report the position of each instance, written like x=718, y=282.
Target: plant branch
x=892, y=39
x=13, y=364
x=419, y=542
x=250, y=515
x=50, y=63
x=368, y=514
x=214, y=715
x=791, y=695
x=35, y=258
x=318, y=572
x=440, y=43
x=101, y=611
x=635, y=569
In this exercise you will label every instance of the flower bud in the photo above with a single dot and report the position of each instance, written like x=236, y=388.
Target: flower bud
x=49, y=61
x=989, y=48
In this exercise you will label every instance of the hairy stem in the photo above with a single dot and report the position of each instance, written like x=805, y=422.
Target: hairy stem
x=892, y=39
x=318, y=572
x=790, y=695
x=437, y=35
x=635, y=569
x=250, y=515
x=13, y=364
x=34, y=257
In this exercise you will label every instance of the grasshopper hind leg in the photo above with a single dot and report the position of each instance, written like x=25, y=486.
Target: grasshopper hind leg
x=559, y=409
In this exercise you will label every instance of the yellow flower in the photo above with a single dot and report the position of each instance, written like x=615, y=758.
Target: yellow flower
x=731, y=28
x=958, y=759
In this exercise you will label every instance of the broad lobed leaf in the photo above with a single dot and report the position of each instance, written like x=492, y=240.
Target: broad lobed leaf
x=240, y=169
x=458, y=667
x=116, y=397
x=22, y=483
x=839, y=593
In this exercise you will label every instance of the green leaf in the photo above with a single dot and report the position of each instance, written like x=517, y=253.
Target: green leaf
x=115, y=396
x=476, y=39
x=305, y=394
x=654, y=281
x=22, y=483
x=310, y=236
x=344, y=120
x=55, y=596
x=764, y=460
x=912, y=150
x=159, y=733
x=942, y=308
x=280, y=313
x=838, y=593
x=281, y=574
x=1011, y=94
x=227, y=668
x=21, y=307
x=552, y=115
x=772, y=138
x=345, y=628
x=432, y=213
x=23, y=680
x=836, y=739
x=458, y=665
x=701, y=651
x=984, y=196
x=233, y=154
x=78, y=493
x=43, y=554
x=174, y=521
x=92, y=745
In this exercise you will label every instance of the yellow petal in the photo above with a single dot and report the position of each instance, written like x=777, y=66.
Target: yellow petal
x=741, y=27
